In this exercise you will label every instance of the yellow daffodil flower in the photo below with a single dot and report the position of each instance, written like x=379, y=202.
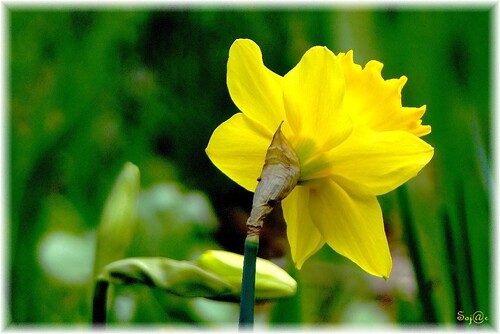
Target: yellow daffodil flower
x=353, y=138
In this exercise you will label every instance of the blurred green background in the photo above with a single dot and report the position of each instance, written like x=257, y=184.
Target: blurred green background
x=92, y=89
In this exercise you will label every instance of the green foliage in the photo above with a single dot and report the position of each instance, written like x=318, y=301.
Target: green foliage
x=92, y=89
x=450, y=217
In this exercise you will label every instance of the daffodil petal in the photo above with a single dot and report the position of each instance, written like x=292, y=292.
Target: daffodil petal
x=414, y=124
x=313, y=92
x=352, y=225
x=303, y=236
x=377, y=102
x=256, y=90
x=379, y=162
x=238, y=148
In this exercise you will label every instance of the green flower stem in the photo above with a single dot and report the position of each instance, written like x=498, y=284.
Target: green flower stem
x=247, y=302
x=99, y=303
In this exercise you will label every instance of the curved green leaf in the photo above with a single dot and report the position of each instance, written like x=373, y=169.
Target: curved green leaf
x=180, y=278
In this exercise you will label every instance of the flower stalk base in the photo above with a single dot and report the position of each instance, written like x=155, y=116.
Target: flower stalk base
x=248, y=282
x=99, y=303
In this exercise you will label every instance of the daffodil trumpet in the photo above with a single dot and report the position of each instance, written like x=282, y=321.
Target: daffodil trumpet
x=280, y=174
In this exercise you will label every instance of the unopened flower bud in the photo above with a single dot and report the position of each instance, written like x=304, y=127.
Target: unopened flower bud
x=271, y=281
x=117, y=223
